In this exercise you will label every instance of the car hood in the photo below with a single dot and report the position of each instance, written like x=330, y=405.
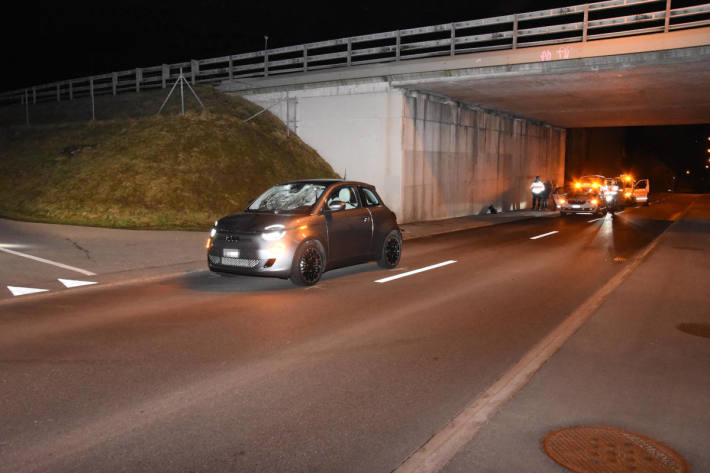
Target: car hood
x=255, y=222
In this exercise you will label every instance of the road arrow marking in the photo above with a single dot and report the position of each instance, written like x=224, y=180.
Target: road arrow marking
x=74, y=283
x=20, y=291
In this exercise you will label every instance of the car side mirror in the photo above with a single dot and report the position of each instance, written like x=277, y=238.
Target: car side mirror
x=336, y=206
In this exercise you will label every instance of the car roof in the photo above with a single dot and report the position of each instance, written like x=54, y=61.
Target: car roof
x=328, y=182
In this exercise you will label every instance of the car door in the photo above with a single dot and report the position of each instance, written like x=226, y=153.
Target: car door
x=641, y=189
x=349, y=229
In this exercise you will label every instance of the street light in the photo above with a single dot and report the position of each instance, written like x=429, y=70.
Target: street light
x=687, y=171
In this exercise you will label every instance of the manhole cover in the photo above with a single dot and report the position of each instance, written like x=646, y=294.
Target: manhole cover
x=699, y=330
x=608, y=450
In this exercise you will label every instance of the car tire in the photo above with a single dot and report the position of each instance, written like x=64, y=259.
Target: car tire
x=391, y=250
x=308, y=264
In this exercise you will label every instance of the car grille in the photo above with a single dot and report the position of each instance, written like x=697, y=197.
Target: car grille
x=578, y=202
x=238, y=262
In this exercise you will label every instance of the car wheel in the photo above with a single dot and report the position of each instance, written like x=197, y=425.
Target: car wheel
x=308, y=264
x=391, y=251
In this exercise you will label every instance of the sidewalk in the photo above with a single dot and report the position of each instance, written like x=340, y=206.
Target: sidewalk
x=435, y=227
x=640, y=363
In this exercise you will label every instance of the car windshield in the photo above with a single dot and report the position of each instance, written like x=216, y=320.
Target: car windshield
x=297, y=197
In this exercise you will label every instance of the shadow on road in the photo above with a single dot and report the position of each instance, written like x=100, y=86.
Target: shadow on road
x=207, y=281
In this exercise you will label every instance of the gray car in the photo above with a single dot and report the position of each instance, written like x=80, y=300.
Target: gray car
x=300, y=229
x=581, y=201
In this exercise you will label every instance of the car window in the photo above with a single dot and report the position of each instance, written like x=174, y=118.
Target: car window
x=641, y=185
x=345, y=194
x=368, y=197
x=288, y=197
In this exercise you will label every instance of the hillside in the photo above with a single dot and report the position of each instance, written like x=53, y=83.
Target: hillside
x=136, y=169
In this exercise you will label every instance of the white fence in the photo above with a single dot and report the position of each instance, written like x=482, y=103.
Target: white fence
x=586, y=22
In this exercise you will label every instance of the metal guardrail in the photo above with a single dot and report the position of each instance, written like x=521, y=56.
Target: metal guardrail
x=586, y=22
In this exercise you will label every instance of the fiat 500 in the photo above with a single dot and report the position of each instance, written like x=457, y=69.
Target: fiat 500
x=298, y=230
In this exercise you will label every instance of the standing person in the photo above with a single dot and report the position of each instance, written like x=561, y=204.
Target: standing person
x=537, y=188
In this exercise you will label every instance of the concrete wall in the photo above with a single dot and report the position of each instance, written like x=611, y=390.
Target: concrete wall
x=458, y=159
x=357, y=129
x=429, y=158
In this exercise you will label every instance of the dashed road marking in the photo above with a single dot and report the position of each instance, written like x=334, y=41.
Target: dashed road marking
x=544, y=235
x=409, y=273
x=46, y=261
x=595, y=219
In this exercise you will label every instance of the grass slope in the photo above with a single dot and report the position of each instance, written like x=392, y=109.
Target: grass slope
x=166, y=171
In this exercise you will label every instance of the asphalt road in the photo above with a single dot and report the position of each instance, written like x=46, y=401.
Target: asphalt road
x=206, y=373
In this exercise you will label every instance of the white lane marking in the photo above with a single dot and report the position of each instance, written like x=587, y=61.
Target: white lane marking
x=617, y=213
x=433, y=456
x=54, y=263
x=75, y=283
x=594, y=219
x=20, y=291
x=427, y=268
x=544, y=235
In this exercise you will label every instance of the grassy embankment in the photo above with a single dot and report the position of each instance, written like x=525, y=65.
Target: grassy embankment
x=134, y=169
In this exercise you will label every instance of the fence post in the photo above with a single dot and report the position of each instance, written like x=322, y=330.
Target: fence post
x=350, y=51
x=398, y=45
x=114, y=82
x=194, y=70
x=515, y=31
x=305, y=58
x=165, y=75
x=667, y=25
x=71, y=90
x=59, y=93
x=91, y=92
x=139, y=78
x=27, y=109
x=453, y=39
x=586, y=23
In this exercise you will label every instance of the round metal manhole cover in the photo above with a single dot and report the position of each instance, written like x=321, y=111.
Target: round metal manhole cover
x=609, y=450
x=699, y=330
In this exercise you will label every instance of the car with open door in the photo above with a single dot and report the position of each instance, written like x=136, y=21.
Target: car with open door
x=300, y=229
x=641, y=190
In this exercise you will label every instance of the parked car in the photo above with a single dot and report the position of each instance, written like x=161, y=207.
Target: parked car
x=300, y=229
x=641, y=190
x=559, y=195
x=580, y=201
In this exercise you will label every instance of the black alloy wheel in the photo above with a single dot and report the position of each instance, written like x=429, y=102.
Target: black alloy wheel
x=391, y=250
x=308, y=265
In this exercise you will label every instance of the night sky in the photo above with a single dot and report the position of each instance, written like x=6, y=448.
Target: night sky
x=50, y=41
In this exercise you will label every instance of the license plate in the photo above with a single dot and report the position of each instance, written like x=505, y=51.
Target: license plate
x=576, y=206
x=230, y=253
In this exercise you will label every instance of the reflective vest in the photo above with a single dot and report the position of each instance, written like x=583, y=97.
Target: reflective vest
x=537, y=187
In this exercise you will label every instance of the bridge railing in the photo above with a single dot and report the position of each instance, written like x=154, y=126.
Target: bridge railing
x=585, y=22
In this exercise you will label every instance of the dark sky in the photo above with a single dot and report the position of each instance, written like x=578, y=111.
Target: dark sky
x=48, y=41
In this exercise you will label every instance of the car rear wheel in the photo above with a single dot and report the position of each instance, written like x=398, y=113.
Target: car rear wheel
x=308, y=264
x=391, y=251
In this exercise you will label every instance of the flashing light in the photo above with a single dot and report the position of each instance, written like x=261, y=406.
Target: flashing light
x=562, y=201
x=578, y=185
x=628, y=194
x=208, y=245
x=595, y=185
x=627, y=178
x=595, y=201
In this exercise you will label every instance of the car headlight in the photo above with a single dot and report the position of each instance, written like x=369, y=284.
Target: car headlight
x=609, y=198
x=595, y=201
x=273, y=232
x=213, y=232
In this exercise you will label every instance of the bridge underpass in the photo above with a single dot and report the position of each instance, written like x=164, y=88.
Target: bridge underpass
x=445, y=137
